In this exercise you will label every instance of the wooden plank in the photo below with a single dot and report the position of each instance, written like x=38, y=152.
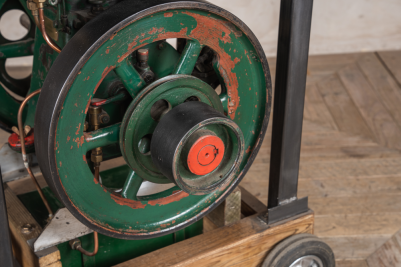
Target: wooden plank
x=315, y=108
x=381, y=123
x=245, y=243
x=19, y=216
x=366, y=204
x=229, y=211
x=343, y=187
x=389, y=254
x=355, y=247
x=352, y=263
x=392, y=61
x=383, y=83
x=349, y=168
x=357, y=224
x=345, y=114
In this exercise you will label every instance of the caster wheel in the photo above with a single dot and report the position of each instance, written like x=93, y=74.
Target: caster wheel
x=302, y=250
x=119, y=89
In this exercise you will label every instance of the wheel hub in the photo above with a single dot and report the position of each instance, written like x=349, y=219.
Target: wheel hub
x=205, y=154
x=145, y=112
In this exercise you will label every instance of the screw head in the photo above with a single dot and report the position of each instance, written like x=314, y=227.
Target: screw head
x=27, y=228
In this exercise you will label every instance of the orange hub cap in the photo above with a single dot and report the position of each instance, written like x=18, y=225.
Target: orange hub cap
x=205, y=155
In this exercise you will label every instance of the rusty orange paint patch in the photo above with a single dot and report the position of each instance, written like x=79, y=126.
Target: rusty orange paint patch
x=112, y=36
x=248, y=150
x=95, y=180
x=68, y=139
x=61, y=163
x=78, y=128
x=168, y=14
x=176, y=196
x=236, y=60
x=155, y=30
x=145, y=39
x=84, y=157
x=107, y=51
x=128, y=202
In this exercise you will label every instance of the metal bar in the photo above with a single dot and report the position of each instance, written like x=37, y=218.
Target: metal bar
x=291, y=70
x=6, y=252
x=189, y=56
x=16, y=49
x=102, y=137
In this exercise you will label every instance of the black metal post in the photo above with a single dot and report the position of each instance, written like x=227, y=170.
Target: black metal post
x=289, y=97
x=6, y=252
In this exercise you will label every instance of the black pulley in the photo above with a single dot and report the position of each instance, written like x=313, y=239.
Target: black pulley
x=197, y=147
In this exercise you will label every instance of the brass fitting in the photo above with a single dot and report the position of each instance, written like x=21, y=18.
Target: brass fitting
x=40, y=3
x=94, y=113
x=97, y=155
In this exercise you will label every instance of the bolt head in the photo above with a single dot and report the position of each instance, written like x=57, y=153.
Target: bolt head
x=27, y=228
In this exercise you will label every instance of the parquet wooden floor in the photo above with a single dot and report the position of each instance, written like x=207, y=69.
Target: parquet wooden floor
x=350, y=157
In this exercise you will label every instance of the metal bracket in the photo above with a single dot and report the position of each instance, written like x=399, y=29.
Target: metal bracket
x=62, y=228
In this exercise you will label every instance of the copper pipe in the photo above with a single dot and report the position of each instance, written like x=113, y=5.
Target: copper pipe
x=48, y=40
x=90, y=254
x=23, y=150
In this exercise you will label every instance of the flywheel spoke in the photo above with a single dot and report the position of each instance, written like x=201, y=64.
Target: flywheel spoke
x=132, y=185
x=130, y=77
x=102, y=137
x=188, y=58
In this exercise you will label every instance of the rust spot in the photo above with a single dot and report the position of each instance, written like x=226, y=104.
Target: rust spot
x=76, y=104
x=246, y=53
x=236, y=60
x=84, y=157
x=155, y=30
x=68, y=139
x=95, y=180
x=128, y=202
x=87, y=78
x=248, y=150
x=168, y=14
x=145, y=39
x=79, y=127
x=114, y=34
x=176, y=196
x=173, y=222
x=60, y=164
x=133, y=43
x=82, y=140
x=87, y=105
x=107, y=51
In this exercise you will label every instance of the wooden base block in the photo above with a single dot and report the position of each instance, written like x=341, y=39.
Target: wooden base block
x=245, y=243
x=18, y=217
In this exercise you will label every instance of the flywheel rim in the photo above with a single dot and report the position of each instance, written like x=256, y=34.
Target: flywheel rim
x=47, y=146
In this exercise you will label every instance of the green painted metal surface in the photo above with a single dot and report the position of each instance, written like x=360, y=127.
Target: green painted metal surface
x=244, y=100
x=111, y=251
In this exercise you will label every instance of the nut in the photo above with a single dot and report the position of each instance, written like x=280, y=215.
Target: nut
x=75, y=244
x=27, y=228
x=104, y=118
x=96, y=157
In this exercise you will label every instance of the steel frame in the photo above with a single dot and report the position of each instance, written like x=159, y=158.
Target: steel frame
x=289, y=98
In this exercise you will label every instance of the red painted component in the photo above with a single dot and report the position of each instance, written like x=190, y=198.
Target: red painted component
x=205, y=155
x=15, y=142
x=98, y=102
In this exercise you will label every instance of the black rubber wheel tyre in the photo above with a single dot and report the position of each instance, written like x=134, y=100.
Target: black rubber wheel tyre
x=297, y=246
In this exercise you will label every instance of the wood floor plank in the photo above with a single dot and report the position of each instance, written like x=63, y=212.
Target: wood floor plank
x=345, y=114
x=381, y=123
x=392, y=61
x=351, y=263
x=315, y=108
x=355, y=247
x=365, y=204
x=389, y=254
x=357, y=225
x=383, y=83
x=345, y=187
